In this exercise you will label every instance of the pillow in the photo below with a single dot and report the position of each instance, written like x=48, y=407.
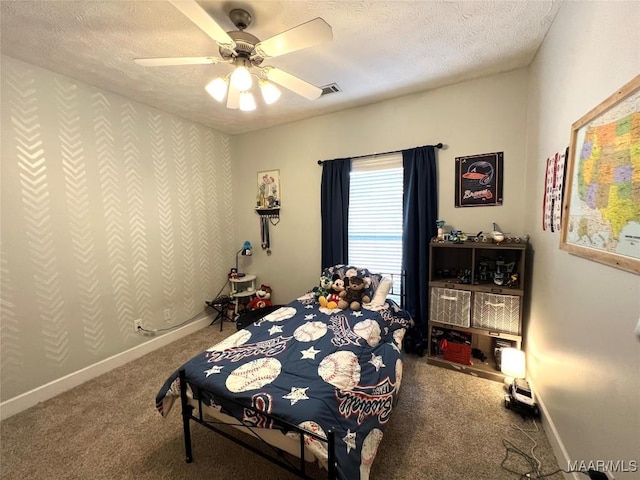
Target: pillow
x=372, y=280
x=380, y=295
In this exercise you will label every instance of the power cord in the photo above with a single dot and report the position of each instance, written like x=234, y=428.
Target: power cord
x=146, y=331
x=219, y=291
x=157, y=330
x=535, y=472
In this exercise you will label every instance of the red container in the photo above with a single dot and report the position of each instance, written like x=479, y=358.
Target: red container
x=459, y=353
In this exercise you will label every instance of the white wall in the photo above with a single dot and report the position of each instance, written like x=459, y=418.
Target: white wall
x=111, y=211
x=479, y=116
x=582, y=354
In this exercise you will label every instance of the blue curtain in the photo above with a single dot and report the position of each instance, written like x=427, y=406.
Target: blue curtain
x=420, y=214
x=334, y=211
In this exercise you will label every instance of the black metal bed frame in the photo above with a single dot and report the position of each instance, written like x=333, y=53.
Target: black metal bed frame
x=333, y=469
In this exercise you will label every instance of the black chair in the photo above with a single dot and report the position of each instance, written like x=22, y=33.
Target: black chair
x=220, y=305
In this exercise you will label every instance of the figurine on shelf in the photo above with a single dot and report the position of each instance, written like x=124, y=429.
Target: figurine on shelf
x=465, y=277
x=456, y=236
x=498, y=236
x=483, y=271
x=514, y=280
x=499, y=274
x=440, y=225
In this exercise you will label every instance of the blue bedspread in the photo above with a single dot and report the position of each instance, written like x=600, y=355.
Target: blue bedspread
x=312, y=367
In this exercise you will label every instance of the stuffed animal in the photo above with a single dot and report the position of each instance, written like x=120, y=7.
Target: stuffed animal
x=354, y=296
x=262, y=298
x=323, y=289
x=334, y=295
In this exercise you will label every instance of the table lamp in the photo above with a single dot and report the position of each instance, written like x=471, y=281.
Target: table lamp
x=512, y=364
x=520, y=396
x=246, y=250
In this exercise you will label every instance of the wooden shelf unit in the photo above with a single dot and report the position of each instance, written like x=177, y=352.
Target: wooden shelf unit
x=481, y=309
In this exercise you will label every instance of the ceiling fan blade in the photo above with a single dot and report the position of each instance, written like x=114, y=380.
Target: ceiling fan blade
x=168, y=61
x=293, y=83
x=305, y=35
x=208, y=25
x=233, y=97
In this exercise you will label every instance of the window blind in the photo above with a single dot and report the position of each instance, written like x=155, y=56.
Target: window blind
x=375, y=213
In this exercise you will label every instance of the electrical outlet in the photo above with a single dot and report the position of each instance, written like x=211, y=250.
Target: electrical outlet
x=167, y=314
x=137, y=324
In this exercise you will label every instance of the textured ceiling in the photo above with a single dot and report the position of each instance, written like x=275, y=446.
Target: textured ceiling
x=380, y=49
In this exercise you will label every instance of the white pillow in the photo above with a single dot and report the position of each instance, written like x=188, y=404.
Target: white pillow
x=381, y=292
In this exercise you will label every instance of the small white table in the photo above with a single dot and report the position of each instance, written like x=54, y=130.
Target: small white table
x=242, y=287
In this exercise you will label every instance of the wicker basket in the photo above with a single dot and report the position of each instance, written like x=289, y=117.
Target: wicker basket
x=499, y=313
x=449, y=306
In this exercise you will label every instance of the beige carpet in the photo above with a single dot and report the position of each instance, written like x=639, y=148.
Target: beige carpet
x=447, y=425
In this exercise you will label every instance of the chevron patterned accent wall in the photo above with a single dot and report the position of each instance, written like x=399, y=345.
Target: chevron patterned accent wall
x=111, y=211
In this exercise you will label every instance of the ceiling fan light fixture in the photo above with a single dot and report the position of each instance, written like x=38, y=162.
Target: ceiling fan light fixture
x=241, y=78
x=247, y=102
x=270, y=93
x=217, y=88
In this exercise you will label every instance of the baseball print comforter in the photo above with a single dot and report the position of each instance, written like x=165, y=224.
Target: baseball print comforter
x=312, y=367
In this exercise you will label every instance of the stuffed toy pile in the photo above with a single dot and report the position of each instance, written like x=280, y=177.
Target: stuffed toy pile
x=343, y=294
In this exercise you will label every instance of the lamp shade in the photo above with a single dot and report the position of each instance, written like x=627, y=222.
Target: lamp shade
x=513, y=362
x=270, y=93
x=246, y=250
x=217, y=88
x=247, y=102
x=241, y=78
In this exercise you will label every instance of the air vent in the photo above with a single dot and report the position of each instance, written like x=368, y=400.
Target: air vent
x=331, y=88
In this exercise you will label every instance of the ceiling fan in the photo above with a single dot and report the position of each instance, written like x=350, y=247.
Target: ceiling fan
x=246, y=53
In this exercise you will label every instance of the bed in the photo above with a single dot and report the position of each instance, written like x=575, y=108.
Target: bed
x=315, y=382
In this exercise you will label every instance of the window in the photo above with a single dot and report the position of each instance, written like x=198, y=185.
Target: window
x=375, y=215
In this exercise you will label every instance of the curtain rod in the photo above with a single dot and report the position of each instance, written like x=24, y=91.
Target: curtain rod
x=438, y=145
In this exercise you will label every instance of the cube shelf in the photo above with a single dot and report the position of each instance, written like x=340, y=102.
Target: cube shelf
x=478, y=291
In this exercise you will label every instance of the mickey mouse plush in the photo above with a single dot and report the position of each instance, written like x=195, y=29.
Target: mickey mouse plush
x=262, y=298
x=334, y=295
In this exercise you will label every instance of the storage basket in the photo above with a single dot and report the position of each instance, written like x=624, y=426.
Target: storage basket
x=496, y=312
x=449, y=306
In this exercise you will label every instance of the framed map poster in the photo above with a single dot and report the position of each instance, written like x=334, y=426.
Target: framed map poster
x=479, y=180
x=601, y=219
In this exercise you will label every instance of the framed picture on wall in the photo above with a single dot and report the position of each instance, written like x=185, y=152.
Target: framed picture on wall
x=269, y=193
x=601, y=212
x=479, y=180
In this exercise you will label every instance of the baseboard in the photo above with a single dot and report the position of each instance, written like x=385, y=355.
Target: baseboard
x=40, y=394
x=554, y=437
